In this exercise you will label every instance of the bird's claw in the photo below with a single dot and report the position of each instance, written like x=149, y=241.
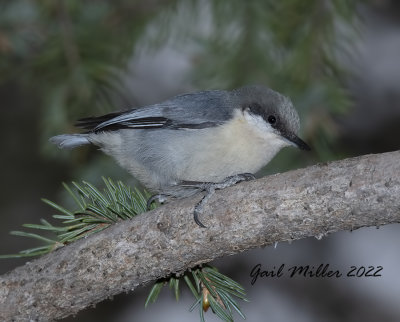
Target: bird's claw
x=247, y=176
x=210, y=188
x=158, y=197
x=196, y=214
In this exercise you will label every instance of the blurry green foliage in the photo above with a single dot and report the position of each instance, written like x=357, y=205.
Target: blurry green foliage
x=68, y=54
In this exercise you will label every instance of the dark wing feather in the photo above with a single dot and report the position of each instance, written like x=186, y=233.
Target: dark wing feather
x=188, y=111
x=98, y=123
x=89, y=123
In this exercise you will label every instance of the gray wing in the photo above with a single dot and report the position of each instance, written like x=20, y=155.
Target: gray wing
x=194, y=110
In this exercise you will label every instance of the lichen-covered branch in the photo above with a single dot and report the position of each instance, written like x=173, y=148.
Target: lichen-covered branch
x=342, y=195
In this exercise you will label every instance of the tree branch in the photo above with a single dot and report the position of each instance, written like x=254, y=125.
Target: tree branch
x=315, y=201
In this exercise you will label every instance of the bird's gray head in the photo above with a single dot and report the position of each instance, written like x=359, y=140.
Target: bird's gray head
x=271, y=111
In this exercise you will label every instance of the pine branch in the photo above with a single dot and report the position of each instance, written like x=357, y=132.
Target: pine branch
x=315, y=201
x=97, y=210
x=210, y=288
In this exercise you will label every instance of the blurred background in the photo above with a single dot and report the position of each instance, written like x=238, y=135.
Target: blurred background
x=338, y=60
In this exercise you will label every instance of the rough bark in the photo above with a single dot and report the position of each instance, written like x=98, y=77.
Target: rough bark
x=315, y=201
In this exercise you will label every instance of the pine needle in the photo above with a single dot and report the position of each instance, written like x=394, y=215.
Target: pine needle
x=95, y=211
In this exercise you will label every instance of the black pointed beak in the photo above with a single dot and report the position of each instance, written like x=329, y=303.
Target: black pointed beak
x=297, y=141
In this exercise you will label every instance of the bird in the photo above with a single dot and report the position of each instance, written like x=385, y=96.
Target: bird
x=199, y=141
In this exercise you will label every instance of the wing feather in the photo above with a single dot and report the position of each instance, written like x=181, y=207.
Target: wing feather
x=194, y=110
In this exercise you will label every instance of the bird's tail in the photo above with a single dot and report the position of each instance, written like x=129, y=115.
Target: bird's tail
x=70, y=141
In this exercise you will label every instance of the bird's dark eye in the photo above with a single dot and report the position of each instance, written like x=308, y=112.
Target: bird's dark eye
x=271, y=119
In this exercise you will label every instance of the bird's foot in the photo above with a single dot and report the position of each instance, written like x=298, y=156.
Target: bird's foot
x=161, y=198
x=211, y=187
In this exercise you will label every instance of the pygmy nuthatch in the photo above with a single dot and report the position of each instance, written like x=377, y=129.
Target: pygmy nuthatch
x=186, y=143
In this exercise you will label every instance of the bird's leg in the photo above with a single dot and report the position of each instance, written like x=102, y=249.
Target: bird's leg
x=210, y=187
x=198, y=209
x=158, y=197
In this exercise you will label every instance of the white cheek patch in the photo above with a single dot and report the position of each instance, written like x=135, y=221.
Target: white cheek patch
x=264, y=130
x=258, y=124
